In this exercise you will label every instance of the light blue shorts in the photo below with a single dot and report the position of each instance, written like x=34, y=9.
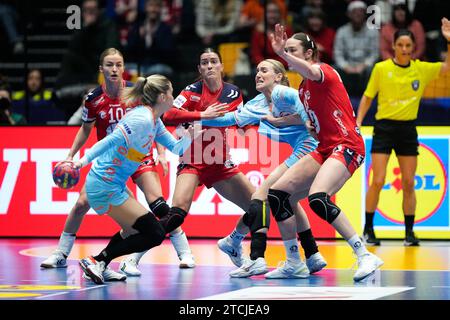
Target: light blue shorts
x=101, y=196
x=301, y=149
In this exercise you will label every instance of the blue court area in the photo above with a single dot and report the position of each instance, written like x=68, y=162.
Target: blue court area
x=21, y=277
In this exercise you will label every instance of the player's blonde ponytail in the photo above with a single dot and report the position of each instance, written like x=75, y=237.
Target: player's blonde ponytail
x=146, y=90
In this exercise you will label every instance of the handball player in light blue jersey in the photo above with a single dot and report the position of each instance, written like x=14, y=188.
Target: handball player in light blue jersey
x=280, y=116
x=117, y=157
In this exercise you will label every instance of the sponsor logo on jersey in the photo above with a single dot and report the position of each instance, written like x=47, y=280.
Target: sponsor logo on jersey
x=179, y=101
x=194, y=98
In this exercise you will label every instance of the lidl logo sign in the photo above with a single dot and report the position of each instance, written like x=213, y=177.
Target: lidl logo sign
x=430, y=184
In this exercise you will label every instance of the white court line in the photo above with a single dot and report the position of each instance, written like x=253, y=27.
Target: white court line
x=66, y=292
x=31, y=280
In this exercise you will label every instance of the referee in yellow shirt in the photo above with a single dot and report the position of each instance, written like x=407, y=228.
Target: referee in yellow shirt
x=399, y=83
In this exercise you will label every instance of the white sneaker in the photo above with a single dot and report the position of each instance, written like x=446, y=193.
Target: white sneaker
x=93, y=269
x=367, y=264
x=109, y=275
x=288, y=270
x=315, y=263
x=187, y=261
x=56, y=260
x=129, y=266
x=250, y=268
x=235, y=253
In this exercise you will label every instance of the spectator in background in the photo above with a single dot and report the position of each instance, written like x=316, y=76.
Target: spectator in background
x=402, y=19
x=303, y=12
x=7, y=116
x=151, y=43
x=124, y=13
x=8, y=21
x=171, y=14
x=187, y=33
x=385, y=7
x=80, y=63
x=429, y=13
x=41, y=108
x=216, y=20
x=336, y=10
x=322, y=35
x=252, y=13
x=261, y=47
x=355, y=49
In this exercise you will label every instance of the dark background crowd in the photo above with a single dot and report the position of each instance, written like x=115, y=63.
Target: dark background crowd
x=47, y=67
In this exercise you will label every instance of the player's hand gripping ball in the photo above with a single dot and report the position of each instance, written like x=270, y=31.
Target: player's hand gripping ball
x=66, y=175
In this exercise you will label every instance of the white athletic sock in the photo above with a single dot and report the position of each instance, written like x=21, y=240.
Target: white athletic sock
x=357, y=245
x=138, y=255
x=180, y=243
x=292, y=253
x=236, y=237
x=66, y=241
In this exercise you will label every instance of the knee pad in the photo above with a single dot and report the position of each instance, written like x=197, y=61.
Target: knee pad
x=173, y=219
x=159, y=207
x=279, y=204
x=322, y=205
x=151, y=228
x=258, y=215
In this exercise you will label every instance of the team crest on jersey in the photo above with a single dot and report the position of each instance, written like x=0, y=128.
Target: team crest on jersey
x=415, y=85
x=102, y=114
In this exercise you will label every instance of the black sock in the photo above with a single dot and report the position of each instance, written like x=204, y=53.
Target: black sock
x=409, y=223
x=103, y=255
x=115, y=239
x=308, y=243
x=369, y=220
x=258, y=245
x=134, y=243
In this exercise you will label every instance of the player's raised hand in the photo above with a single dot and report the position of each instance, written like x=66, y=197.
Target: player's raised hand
x=278, y=39
x=445, y=28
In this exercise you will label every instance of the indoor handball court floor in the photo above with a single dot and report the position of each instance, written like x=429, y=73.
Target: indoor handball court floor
x=409, y=273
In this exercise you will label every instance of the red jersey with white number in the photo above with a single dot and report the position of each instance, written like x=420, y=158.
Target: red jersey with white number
x=329, y=108
x=211, y=146
x=104, y=110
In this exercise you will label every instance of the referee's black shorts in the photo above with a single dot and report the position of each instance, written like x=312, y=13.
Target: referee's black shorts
x=398, y=135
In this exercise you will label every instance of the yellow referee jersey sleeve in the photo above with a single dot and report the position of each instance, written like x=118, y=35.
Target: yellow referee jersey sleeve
x=400, y=88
